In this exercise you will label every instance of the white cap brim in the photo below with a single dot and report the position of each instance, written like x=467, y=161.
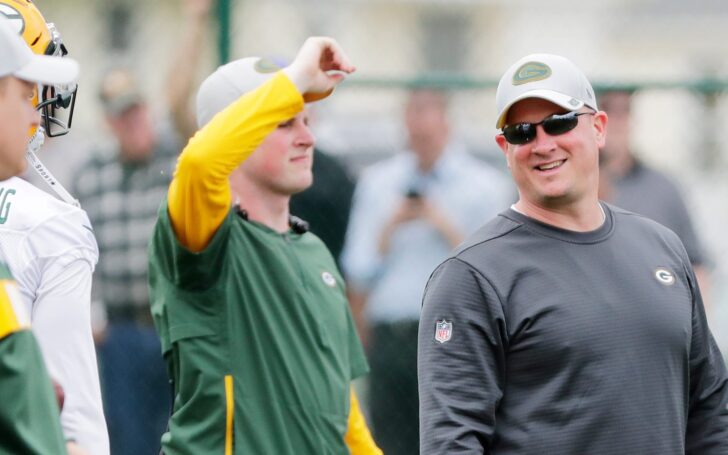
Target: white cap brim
x=566, y=101
x=48, y=70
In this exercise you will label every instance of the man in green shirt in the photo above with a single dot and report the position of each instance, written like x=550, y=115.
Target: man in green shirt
x=29, y=415
x=251, y=309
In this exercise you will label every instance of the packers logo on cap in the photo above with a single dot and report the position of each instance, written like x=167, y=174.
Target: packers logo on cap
x=531, y=72
x=266, y=66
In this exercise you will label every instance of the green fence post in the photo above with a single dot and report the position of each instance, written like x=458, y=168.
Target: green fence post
x=223, y=37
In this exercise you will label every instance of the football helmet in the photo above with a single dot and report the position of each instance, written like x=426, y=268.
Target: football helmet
x=56, y=102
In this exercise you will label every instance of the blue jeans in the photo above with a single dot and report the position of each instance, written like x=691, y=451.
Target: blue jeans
x=135, y=389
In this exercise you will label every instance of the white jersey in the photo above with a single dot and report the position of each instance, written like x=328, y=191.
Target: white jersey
x=51, y=251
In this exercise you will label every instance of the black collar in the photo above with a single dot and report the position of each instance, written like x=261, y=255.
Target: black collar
x=296, y=224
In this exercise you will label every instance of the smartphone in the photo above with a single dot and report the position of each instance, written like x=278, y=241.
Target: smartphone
x=413, y=194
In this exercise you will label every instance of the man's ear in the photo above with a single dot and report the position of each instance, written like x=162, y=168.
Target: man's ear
x=600, y=128
x=503, y=144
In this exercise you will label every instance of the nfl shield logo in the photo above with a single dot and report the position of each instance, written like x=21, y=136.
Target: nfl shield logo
x=443, y=331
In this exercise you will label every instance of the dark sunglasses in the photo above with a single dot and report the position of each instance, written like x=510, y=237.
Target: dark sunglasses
x=553, y=125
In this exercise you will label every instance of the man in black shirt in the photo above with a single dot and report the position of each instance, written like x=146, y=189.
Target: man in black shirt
x=566, y=325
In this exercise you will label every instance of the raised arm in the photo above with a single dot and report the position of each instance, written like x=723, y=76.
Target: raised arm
x=199, y=196
x=185, y=62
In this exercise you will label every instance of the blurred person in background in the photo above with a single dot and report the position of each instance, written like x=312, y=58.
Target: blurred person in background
x=566, y=325
x=631, y=184
x=51, y=251
x=121, y=189
x=408, y=213
x=326, y=204
x=251, y=310
x=29, y=412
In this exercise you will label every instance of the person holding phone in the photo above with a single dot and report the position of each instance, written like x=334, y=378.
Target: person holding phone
x=408, y=213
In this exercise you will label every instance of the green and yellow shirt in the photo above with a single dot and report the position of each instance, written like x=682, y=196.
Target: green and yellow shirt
x=255, y=325
x=29, y=416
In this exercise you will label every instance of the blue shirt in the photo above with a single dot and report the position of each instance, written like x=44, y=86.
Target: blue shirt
x=469, y=191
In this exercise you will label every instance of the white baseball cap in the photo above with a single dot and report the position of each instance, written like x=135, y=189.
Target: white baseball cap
x=16, y=59
x=546, y=76
x=232, y=80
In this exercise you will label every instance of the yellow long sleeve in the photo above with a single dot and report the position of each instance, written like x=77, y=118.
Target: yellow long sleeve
x=199, y=196
x=358, y=438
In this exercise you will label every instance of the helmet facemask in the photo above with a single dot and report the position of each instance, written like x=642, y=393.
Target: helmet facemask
x=56, y=102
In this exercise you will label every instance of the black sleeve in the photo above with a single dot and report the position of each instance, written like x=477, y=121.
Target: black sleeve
x=461, y=379
x=707, y=428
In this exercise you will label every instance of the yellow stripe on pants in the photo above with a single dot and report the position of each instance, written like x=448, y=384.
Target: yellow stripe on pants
x=230, y=404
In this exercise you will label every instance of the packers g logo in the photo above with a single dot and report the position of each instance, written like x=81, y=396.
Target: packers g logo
x=664, y=276
x=531, y=72
x=328, y=279
x=5, y=204
x=14, y=17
